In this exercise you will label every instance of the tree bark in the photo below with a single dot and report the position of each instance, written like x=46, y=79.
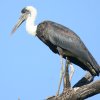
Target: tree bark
x=83, y=89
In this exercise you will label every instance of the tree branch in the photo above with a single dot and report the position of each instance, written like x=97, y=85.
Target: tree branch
x=88, y=90
x=67, y=83
x=79, y=93
x=83, y=89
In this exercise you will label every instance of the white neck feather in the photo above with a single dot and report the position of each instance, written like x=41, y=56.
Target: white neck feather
x=30, y=26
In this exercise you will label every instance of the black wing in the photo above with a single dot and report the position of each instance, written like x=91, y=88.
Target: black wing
x=66, y=39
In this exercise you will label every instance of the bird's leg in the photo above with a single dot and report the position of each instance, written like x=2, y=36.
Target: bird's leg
x=72, y=70
x=61, y=74
x=67, y=75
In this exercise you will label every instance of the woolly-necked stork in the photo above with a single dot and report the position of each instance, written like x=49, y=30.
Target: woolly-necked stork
x=60, y=39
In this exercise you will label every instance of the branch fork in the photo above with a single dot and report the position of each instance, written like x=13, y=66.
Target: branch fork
x=83, y=89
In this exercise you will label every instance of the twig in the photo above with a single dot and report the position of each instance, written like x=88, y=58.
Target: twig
x=66, y=76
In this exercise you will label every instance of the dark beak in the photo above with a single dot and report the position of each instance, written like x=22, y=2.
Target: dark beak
x=20, y=21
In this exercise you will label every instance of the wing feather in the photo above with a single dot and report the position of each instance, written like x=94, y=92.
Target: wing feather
x=68, y=40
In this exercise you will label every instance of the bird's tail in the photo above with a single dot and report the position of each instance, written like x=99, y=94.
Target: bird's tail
x=98, y=70
x=95, y=70
x=93, y=66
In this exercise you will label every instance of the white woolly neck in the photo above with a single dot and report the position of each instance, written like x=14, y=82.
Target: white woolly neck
x=30, y=23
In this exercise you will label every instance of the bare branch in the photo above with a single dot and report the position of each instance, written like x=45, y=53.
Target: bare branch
x=79, y=93
x=83, y=89
x=66, y=75
x=88, y=90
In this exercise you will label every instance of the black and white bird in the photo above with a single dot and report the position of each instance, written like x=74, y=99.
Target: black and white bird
x=60, y=39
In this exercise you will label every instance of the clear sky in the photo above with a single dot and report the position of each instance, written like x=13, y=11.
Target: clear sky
x=28, y=69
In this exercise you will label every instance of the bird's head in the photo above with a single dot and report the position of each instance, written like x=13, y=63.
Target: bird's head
x=26, y=12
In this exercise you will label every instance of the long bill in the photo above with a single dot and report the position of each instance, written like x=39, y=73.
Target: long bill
x=20, y=21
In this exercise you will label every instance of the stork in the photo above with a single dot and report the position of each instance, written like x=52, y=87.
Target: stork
x=61, y=40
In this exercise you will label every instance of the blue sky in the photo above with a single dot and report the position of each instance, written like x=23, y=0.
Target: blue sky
x=28, y=69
